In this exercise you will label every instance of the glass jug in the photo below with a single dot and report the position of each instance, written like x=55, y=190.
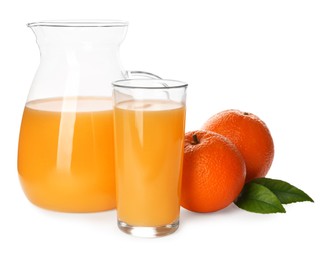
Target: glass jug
x=65, y=153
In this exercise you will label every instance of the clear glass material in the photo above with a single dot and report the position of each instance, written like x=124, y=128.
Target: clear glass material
x=149, y=127
x=66, y=150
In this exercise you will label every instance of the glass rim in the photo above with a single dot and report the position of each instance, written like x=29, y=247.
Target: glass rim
x=149, y=84
x=79, y=23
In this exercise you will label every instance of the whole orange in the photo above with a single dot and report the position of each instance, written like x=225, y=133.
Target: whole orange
x=250, y=135
x=213, y=172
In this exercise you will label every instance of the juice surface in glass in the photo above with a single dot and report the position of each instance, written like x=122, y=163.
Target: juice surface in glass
x=149, y=138
x=66, y=154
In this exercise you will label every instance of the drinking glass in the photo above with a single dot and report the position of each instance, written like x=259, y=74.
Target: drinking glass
x=149, y=127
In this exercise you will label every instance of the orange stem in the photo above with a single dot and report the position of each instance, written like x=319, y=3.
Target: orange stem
x=195, y=139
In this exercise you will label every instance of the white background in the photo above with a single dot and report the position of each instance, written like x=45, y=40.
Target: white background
x=270, y=58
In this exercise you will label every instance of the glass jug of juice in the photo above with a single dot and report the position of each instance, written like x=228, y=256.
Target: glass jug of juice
x=65, y=153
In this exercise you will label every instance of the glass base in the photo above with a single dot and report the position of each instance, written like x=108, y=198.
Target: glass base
x=141, y=231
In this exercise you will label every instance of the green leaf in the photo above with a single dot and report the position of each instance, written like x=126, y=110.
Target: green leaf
x=285, y=192
x=259, y=199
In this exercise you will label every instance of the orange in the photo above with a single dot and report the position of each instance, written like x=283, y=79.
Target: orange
x=250, y=135
x=213, y=172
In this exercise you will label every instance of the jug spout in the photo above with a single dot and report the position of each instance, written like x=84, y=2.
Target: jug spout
x=80, y=32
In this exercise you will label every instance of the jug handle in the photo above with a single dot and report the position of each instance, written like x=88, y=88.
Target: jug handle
x=137, y=73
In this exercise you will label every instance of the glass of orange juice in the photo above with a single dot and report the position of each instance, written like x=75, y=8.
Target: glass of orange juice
x=149, y=127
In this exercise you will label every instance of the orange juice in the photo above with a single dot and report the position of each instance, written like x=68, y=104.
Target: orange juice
x=149, y=138
x=66, y=154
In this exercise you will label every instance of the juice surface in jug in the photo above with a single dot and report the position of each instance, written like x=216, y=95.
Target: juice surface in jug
x=65, y=156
